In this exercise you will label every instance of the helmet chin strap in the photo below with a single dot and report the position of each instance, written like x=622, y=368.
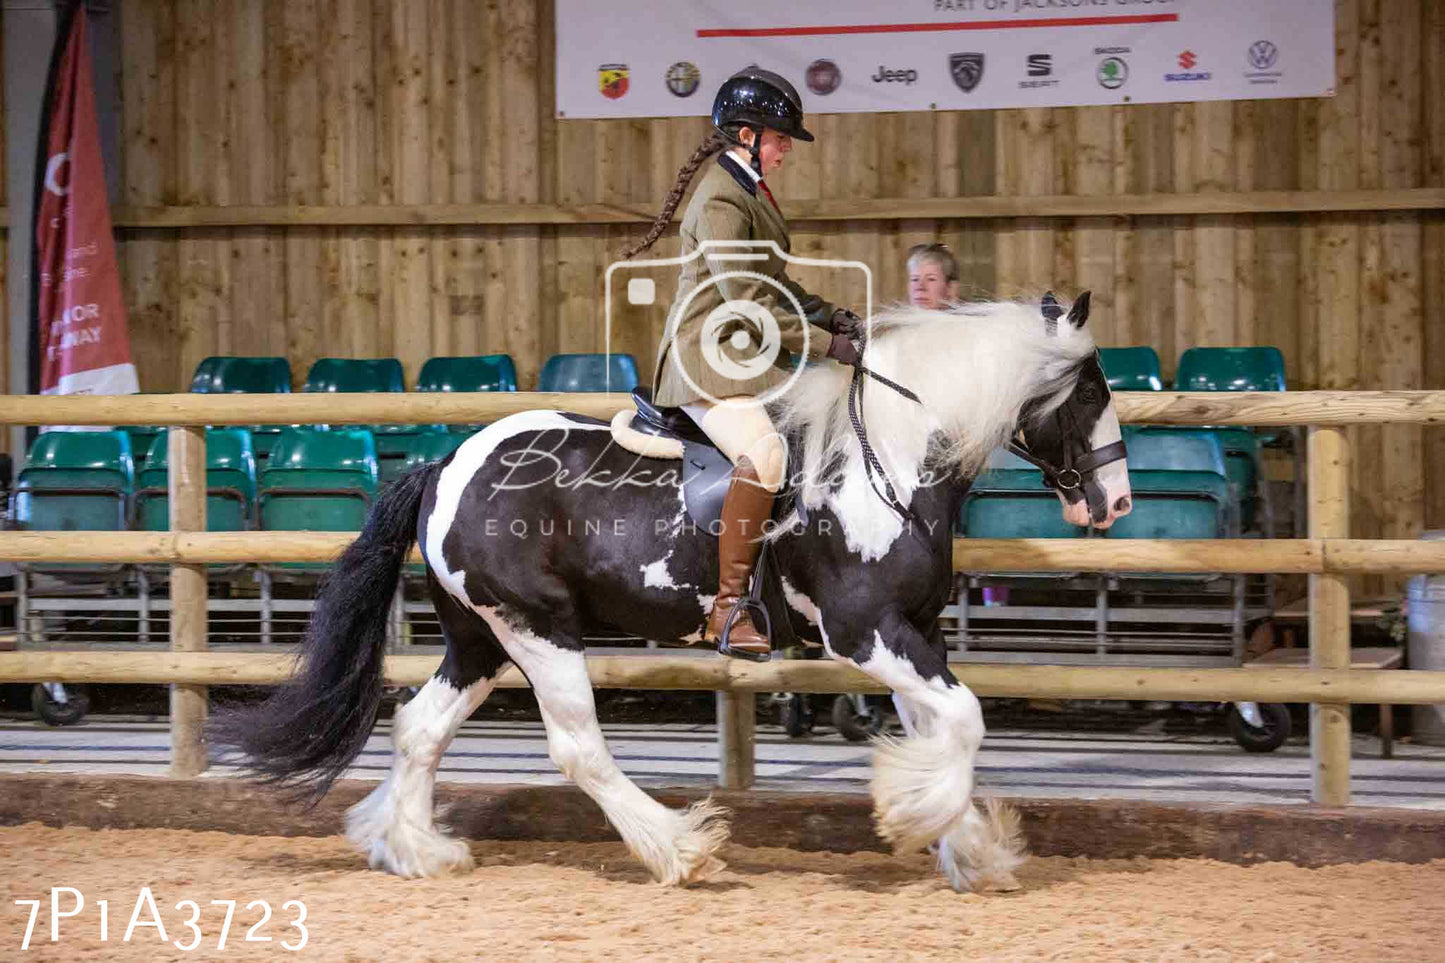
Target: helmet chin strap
x=755, y=153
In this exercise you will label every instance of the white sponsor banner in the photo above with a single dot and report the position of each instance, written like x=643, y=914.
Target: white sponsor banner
x=642, y=58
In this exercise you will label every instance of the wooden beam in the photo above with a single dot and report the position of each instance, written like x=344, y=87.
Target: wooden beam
x=1299, y=556
x=1329, y=605
x=187, y=501
x=645, y=671
x=1271, y=408
x=737, y=715
x=299, y=408
x=852, y=209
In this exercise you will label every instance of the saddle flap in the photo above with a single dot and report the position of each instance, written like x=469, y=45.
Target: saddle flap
x=653, y=419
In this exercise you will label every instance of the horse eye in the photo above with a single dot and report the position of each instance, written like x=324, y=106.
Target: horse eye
x=1088, y=394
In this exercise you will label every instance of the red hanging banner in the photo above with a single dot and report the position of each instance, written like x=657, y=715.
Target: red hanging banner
x=79, y=323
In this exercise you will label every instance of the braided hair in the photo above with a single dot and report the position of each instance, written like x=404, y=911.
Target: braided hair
x=713, y=143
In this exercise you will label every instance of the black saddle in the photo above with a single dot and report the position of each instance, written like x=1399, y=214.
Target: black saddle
x=706, y=471
x=663, y=421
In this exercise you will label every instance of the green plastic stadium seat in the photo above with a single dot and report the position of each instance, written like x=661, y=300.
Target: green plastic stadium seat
x=318, y=481
x=1179, y=489
x=589, y=372
x=355, y=374
x=257, y=376
x=367, y=375
x=141, y=439
x=76, y=481
x=225, y=375
x=1172, y=449
x=1131, y=369
x=432, y=446
x=1009, y=500
x=230, y=484
x=1242, y=467
x=487, y=372
x=1230, y=369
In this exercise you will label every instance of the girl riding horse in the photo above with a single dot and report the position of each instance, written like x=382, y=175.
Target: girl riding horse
x=715, y=328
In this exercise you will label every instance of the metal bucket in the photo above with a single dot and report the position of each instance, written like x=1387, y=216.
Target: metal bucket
x=1426, y=595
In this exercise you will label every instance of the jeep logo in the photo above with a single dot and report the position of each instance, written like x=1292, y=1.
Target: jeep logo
x=886, y=76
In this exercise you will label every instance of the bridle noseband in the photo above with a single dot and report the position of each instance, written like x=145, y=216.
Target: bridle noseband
x=1075, y=475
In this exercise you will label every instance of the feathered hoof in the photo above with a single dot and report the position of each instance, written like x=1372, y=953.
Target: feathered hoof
x=705, y=830
x=915, y=799
x=982, y=853
x=412, y=854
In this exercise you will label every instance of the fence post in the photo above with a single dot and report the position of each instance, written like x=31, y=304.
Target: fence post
x=1329, y=517
x=736, y=732
x=187, y=450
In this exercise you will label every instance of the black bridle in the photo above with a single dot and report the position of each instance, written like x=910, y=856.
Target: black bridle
x=1075, y=478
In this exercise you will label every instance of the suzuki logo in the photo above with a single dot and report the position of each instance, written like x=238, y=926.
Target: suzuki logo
x=1187, y=60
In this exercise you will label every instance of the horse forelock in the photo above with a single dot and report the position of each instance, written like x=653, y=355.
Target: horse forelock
x=974, y=367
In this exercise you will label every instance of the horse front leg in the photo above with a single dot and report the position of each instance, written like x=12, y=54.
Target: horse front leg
x=923, y=784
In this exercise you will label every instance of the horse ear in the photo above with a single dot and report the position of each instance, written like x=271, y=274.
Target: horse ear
x=1050, y=308
x=1079, y=312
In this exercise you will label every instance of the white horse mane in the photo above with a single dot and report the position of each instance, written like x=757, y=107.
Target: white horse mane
x=973, y=366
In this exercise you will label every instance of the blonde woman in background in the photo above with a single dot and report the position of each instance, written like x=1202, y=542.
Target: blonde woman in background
x=932, y=276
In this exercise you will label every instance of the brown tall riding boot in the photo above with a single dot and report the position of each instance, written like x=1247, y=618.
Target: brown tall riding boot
x=745, y=507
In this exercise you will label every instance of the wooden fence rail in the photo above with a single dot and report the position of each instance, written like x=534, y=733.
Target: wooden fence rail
x=1287, y=556
x=704, y=671
x=1325, y=556
x=1269, y=408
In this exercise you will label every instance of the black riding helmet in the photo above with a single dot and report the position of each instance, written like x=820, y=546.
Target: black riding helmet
x=758, y=98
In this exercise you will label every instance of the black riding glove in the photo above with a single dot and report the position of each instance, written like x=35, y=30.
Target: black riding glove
x=846, y=323
x=844, y=350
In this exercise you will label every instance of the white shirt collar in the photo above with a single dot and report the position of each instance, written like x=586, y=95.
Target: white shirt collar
x=743, y=162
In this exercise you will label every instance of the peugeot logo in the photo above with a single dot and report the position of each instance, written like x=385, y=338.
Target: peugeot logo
x=967, y=70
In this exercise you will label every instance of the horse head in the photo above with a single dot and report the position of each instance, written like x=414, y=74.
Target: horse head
x=1073, y=435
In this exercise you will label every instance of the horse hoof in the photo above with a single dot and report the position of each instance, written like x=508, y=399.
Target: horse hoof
x=704, y=871
x=1001, y=884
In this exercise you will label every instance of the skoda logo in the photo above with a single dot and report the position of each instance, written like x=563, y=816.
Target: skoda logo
x=1113, y=71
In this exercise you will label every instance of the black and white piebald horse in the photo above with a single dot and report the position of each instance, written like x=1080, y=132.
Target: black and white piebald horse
x=542, y=526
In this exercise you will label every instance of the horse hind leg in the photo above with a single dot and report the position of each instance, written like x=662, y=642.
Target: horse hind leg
x=395, y=825
x=676, y=846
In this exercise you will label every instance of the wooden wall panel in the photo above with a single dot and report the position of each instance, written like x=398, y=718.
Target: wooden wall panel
x=1433, y=254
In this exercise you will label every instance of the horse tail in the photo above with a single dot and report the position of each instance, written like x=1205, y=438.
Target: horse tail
x=306, y=732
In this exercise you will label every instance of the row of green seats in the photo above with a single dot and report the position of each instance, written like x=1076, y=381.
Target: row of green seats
x=315, y=480
x=1199, y=369
x=1184, y=484
x=489, y=372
